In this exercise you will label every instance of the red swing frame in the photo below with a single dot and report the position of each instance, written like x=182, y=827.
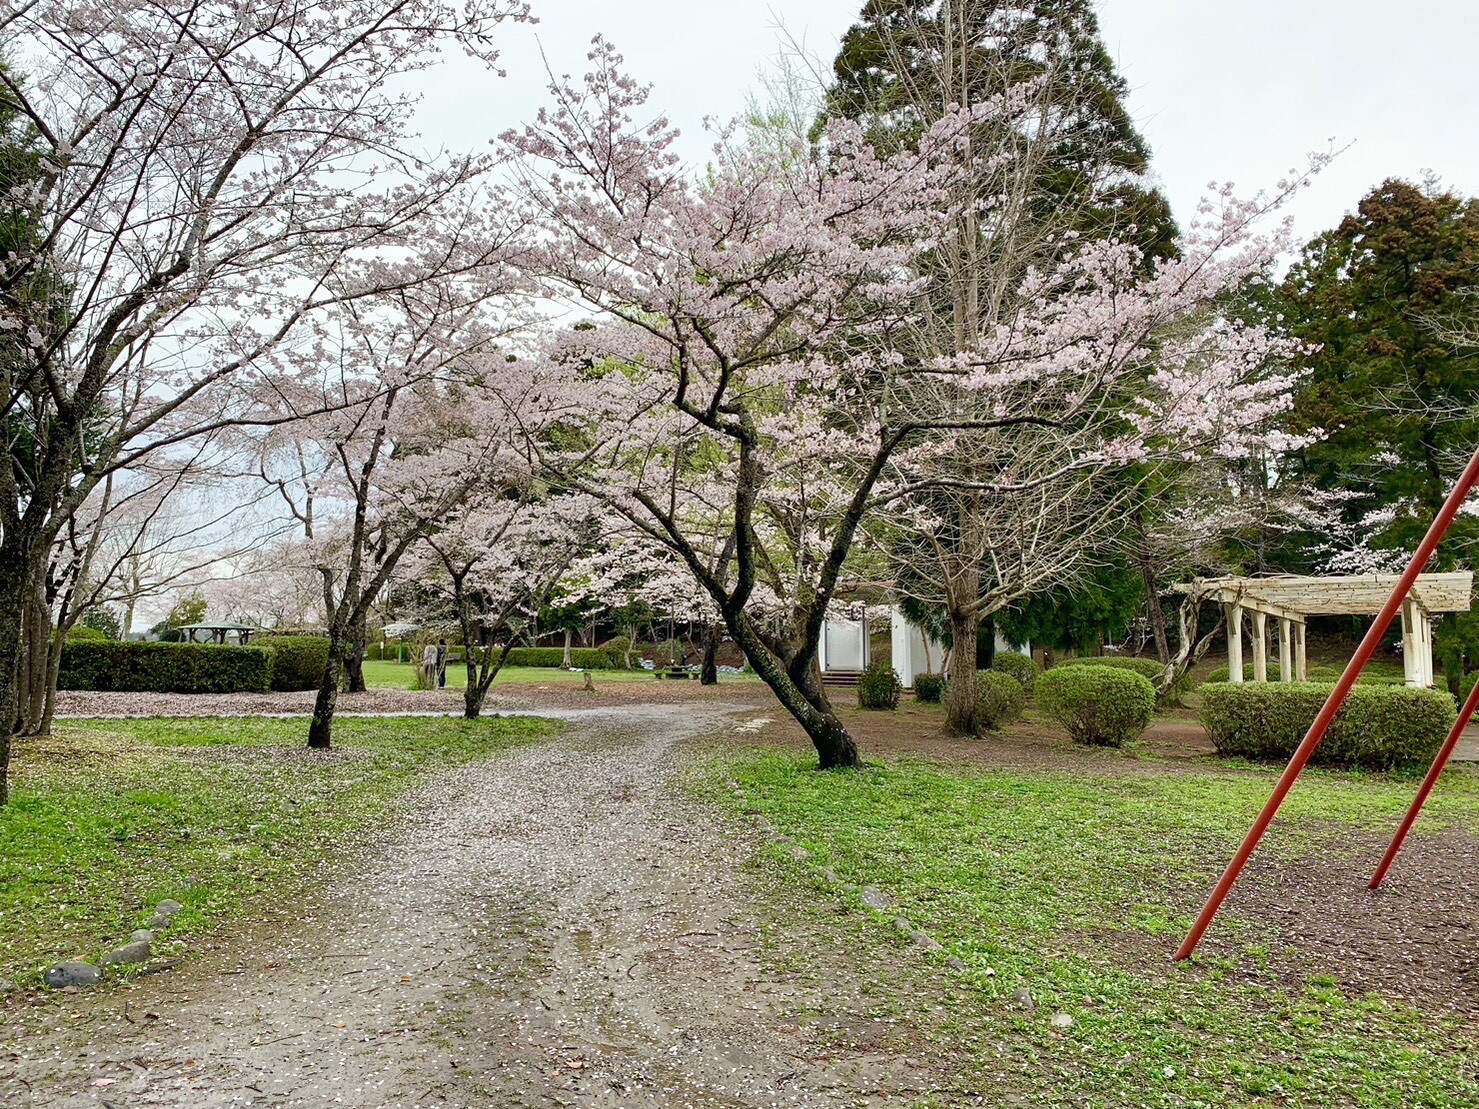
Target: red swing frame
x=1441, y=523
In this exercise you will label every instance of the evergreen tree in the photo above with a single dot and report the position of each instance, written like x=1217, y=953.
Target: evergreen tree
x=1398, y=403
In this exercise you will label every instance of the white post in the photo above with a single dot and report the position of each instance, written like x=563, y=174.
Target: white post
x=1410, y=649
x=1235, y=643
x=822, y=648
x=1301, y=660
x=1425, y=648
x=1260, y=647
x=1286, y=660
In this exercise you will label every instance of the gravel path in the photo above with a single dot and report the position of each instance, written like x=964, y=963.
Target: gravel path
x=554, y=926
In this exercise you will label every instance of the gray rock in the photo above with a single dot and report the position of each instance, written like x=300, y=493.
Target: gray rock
x=1061, y=1020
x=167, y=908
x=136, y=952
x=926, y=941
x=830, y=875
x=141, y=935
x=67, y=974
x=1023, y=997
x=955, y=962
x=903, y=925
x=874, y=898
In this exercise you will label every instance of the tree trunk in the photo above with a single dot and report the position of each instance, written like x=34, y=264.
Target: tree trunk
x=710, y=672
x=834, y=746
x=354, y=662
x=569, y=636
x=36, y=640
x=13, y=590
x=961, y=693
x=321, y=729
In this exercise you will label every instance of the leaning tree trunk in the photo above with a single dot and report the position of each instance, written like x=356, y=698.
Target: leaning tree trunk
x=709, y=674
x=13, y=590
x=963, y=689
x=834, y=746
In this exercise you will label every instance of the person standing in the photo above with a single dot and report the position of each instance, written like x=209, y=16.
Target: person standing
x=442, y=664
x=428, y=666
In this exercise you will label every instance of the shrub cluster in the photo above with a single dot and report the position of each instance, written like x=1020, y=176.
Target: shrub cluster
x=879, y=687
x=298, y=661
x=1374, y=674
x=1019, y=666
x=616, y=650
x=999, y=700
x=929, y=688
x=81, y=633
x=1381, y=727
x=585, y=658
x=111, y=666
x=1099, y=705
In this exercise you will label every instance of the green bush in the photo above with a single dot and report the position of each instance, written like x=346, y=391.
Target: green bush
x=999, y=700
x=81, y=633
x=1099, y=705
x=1019, y=666
x=929, y=688
x=879, y=687
x=1374, y=674
x=616, y=650
x=111, y=666
x=584, y=658
x=670, y=652
x=298, y=661
x=1466, y=684
x=1148, y=667
x=1381, y=727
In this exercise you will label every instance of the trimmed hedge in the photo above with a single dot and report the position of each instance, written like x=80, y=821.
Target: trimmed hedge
x=1099, y=705
x=1019, y=666
x=114, y=667
x=879, y=687
x=1374, y=674
x=81, y=633
x=999, y=700
x=929, y=688
x=1380, y=727
x=298, y=661
x=1148, y=667
x=584, y=658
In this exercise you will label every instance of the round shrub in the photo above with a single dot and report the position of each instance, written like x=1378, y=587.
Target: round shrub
x=1149, y=667
x=1019, y=666
x=1099, y=705
x=929, y=688
x=616, y=650
x=999, y=700
x=1380, y=727
x=879, y=687
x=81, y=633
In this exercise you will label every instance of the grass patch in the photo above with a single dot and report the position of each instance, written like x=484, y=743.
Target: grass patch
x=108, y=817
x=1060, y=883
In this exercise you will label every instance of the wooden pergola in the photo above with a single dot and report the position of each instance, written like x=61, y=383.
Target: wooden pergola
x=1290, y=599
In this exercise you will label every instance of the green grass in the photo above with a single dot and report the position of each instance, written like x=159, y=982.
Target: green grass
x=1060, y=883
x=108, y=817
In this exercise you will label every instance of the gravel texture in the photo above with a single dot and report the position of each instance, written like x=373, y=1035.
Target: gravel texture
x=554, y=926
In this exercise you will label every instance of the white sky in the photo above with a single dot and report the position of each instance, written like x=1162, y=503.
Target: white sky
x=1238, y=91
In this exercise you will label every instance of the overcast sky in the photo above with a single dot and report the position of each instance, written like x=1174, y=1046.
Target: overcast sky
x=1236, y=90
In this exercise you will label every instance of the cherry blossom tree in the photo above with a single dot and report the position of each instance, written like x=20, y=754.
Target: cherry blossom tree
x=214, y=178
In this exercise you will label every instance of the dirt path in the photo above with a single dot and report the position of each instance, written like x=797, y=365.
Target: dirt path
x=555, y=926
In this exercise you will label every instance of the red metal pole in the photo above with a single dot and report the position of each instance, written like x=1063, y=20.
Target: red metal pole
x=1332, y=704
x=1439, y=761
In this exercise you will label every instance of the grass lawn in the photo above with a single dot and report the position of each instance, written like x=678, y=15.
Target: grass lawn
x=1059, y=882
x=108, y=817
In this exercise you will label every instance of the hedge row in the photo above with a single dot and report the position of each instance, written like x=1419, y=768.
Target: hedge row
x=114, y=667
x=298, y=661
x=585, y=658
x=1372, y=675
x=1381, y=727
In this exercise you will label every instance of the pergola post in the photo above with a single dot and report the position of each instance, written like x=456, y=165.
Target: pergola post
x=1424, y=648
x=1286, y=662
x=1410, y=648
x=1234, y=643
x=1260, y=646
x=1301, y=660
